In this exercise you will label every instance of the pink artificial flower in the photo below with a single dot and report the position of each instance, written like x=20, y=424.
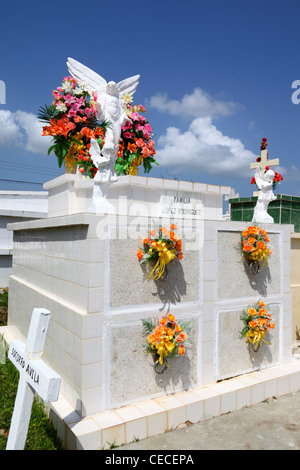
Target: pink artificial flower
x=72, y=113
x=69, y=99
x=148, y=128
x=88, y=112
x=127, y=125
x=139, y=127
x=95, y=95
x=80, y=101
x=134, y=116
x=56, y=95
x=140, y=143
x=128, y=135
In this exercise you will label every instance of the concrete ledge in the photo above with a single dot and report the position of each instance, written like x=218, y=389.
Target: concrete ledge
x=153, y=417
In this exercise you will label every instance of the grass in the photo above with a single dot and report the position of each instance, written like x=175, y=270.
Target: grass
x=3, y=306
x=41, y=433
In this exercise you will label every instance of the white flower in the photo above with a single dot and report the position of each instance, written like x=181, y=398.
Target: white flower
x=67, y=86
x=61, y=106
x=127, y=98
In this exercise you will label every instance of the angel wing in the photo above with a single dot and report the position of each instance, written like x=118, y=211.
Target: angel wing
x=93, y=81
x=258, y=178
x=129, y=85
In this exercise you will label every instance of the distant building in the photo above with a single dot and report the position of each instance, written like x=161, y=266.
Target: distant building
x=16, y=206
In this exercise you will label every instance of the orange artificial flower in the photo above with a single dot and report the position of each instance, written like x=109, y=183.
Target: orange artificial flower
x=174, y=227
x=151, y=339
x=170, y=332
x=253, y=230
x=89, y=133
x=131, y=147
x=272, y=325
x=146, y=240
x=152, y=233
x=157, y=335
x=180, y=256
x=181, y=337
x=252, y=311
x=178, y=329
x=262, y=304
x=98, y=132
x=247, y=248
x=245, y=233
x=171, y=317
x=252, y=324
x=140, y=254
x=261, y=245
x=262, y=311
x=251, y=240
x=163, y=321
x=178, y=245
x=181, y=350
x=174, y=237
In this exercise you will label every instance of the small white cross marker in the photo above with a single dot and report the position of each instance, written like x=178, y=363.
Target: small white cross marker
x=35, y=377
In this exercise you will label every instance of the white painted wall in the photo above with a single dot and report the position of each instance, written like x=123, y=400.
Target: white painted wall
x=16, y=206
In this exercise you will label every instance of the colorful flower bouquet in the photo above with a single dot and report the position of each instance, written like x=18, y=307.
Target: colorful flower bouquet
x=254, y=242
x=136, y=144
x=277, y=177
x=257, y=321
x=73, y=123
x=72, y=119
x=162, y=247
x=165, y=337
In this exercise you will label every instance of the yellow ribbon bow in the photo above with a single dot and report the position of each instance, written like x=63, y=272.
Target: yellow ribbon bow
x=260, y=255
x=164, y=348
x=256, y=336
x=164, y=257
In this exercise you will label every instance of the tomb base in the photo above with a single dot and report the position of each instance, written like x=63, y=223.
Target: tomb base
x=83, y=268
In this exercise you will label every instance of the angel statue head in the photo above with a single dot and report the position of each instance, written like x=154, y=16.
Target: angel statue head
x=109, y=108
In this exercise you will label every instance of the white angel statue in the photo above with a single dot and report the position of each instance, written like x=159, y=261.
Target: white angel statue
x=109, y=107
x=265, y=184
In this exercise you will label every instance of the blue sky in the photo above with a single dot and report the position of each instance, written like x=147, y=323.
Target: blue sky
x=216, y=77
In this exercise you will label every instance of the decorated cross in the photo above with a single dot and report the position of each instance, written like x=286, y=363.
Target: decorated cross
x=35, y=377
x=262, y=161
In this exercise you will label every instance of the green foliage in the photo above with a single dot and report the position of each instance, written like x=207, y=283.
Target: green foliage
x=4, y=298
x=46, y=113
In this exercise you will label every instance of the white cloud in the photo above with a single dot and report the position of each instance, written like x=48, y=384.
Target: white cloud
x=197, y=104
x=9, y=130
x=204, y=148
x=22, y=129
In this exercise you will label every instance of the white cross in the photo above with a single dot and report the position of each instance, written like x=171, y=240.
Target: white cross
x=35, y=377
x=264, y=162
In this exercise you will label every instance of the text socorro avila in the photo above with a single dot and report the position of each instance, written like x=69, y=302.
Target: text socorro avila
x=19, y=359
